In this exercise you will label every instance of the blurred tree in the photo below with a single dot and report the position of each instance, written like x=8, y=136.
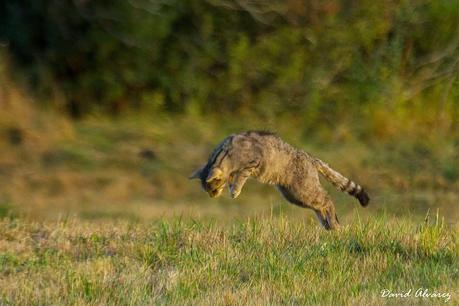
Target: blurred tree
x=322, y=60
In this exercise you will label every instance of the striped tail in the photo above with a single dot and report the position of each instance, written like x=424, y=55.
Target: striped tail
x=342, y=183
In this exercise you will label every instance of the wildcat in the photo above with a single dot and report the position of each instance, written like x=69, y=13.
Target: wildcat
x=267, y=158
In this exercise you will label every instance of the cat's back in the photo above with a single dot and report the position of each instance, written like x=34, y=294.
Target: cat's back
x=268, y=141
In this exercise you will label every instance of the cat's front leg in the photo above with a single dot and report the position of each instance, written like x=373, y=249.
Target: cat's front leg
x=236, y=182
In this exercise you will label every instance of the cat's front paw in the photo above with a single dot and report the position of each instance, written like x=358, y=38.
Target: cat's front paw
x=234, y=192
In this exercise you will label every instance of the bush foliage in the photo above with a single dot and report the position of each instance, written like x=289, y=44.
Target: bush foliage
x=319, y=60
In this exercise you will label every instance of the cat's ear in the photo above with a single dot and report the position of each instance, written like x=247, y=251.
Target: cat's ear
x=196, y=174
x=214, y=174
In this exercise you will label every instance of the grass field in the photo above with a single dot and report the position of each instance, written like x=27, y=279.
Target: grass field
x=101, y=212
x=257, y=261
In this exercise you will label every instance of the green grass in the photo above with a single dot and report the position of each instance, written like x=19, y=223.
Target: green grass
x=85, y=218
x=257, y=261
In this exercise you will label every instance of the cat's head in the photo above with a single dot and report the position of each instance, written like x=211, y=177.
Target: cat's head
x=212, y=180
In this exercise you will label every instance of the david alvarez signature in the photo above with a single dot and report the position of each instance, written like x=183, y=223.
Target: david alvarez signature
x=422, y=293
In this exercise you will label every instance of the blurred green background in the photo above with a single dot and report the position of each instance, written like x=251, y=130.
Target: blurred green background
x=107, y=106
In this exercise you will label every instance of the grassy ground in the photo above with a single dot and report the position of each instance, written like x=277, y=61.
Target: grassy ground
x=259, y=261
x=100, y=211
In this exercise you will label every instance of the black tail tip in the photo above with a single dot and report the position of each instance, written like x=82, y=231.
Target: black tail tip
x=363, y=198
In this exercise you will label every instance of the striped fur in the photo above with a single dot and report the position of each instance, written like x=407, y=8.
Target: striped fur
x=207, y=173
x=267, y=158
x=342, y=183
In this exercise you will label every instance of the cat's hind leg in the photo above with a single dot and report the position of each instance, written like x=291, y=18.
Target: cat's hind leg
x=326, y=213
x=318, y=201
